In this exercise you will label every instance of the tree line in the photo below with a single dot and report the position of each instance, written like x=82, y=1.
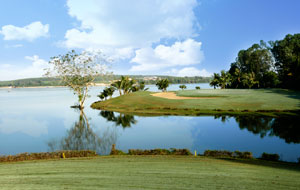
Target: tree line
x=52, y=81
x=264, y=65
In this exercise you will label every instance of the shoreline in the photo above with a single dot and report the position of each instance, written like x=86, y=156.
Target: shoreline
x=260, y=103
x=10, y=87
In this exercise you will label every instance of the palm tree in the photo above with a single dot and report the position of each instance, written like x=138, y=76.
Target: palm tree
x=118, y=85
x=215, y=81
x=224, y=79
x=127, y=84
x=101, y=96
x=110, y=91
x=104, y=94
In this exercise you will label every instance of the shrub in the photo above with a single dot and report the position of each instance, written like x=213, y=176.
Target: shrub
x=197, y=88
x=270, y=157
x=114, y=151
x=244, y=155
x=228, y=154
x=180, y=151
x=218, y=153
x=172, y=151
x=47, y=155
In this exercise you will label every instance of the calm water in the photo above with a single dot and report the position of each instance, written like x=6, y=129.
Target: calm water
x=39, y=120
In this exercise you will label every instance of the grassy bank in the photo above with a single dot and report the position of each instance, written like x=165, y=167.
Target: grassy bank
x=233, y=101
x=149, y=172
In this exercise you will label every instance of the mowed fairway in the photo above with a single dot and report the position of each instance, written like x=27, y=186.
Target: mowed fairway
x=209, y=101
x=149, y=172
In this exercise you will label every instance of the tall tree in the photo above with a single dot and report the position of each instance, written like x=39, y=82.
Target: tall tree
x=287, y=57
x=77, y=71
x=254, y=62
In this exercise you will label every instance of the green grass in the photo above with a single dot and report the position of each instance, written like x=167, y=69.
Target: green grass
x=149, y=172
x=233, y=101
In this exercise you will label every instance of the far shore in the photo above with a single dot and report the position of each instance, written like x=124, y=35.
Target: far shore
x=11, y=87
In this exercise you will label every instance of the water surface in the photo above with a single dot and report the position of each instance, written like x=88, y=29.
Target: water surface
x=40, y=120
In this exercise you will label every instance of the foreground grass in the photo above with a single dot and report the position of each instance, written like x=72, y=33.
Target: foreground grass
x=233, y=101
x=149, y=172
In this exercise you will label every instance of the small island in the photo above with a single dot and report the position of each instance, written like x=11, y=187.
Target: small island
x=270, y=102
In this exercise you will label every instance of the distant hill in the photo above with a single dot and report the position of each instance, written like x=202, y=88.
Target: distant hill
x=148, y=79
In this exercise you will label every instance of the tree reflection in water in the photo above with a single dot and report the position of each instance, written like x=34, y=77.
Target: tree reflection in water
x=82, y=137
x=284, y=127
x=123, y=120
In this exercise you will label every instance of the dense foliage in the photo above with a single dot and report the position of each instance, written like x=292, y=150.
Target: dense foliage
x=287, y=60
x=264, y=66
x=163, y=84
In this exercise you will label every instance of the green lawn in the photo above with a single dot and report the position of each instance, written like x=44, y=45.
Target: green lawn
x=149, y=172
x=228, y=101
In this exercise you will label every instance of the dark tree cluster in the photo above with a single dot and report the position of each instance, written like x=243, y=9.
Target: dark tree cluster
x=276, y=64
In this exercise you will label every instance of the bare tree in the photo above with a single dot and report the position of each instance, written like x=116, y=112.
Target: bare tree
x=78, y=71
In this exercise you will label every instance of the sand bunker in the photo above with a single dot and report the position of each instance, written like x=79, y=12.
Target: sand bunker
x=173, y=96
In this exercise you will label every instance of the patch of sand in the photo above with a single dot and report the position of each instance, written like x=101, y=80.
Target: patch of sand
x=173, y=96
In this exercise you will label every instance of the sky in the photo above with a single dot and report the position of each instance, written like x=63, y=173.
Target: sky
x=149, y=37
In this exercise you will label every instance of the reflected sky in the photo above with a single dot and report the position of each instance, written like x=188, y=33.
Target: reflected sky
x=31, y=118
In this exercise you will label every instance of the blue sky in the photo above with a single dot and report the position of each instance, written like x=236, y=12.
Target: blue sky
x=172, y=37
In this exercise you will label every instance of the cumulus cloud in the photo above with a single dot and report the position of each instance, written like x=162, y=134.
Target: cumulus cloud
x=190, y=72
x=129, y=23
x=35, y=69
x=183, y=53
x=128, y=30
x=29, y=32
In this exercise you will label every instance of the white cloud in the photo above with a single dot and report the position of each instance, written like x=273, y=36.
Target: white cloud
x=190, y=72
x=35, y=69
x=29, y=32
x=133, y=23
x=128, y=29
x=183, y=53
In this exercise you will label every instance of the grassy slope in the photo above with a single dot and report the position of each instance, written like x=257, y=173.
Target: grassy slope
x=227, y=101
x=149, y=172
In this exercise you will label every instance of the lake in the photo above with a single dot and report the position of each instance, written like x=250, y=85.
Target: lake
x=41, y=120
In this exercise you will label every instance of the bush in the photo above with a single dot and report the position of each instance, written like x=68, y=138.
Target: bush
x=197, y=88
x=228, y=154
x=270, y=157
x=244, y=155
x=172, y=151
x=47, y=155
x=218, y=153
x=114, y=151
x=180, y=151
